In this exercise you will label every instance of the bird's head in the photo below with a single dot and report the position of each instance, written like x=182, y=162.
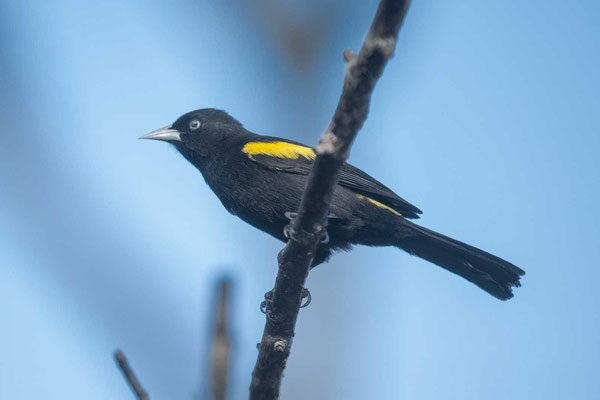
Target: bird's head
x=199, y=134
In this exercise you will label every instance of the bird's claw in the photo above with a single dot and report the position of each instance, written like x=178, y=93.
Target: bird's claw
x=265, y=305
x=287, y=230
x=305, y=295
x=290, y=215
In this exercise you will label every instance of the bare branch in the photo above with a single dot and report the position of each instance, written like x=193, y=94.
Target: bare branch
x=135, y=385
x=362, y=72
x=221, y=345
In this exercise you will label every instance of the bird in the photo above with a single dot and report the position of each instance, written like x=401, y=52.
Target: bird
x=261, y=179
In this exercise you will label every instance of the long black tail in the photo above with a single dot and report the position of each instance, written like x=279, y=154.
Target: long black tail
x=492, y=274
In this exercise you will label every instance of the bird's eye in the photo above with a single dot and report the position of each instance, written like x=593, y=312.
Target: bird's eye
x=194, y=124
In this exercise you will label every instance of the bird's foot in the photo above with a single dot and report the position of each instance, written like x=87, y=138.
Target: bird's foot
x=287, y=230
x=265, y=305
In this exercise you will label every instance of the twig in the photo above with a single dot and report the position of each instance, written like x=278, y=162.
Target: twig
x=221, y=346
x=135, y=385
x=362, y=72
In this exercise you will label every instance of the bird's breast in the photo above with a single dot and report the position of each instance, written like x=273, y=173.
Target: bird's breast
x=259, y=196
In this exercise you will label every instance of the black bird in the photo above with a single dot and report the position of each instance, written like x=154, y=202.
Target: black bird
x=261, y=179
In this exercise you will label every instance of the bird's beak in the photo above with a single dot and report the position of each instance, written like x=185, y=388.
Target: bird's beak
x=166, y=134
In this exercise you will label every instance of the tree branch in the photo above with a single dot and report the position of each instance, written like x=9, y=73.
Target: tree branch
x=135, y=385
x=362, y=72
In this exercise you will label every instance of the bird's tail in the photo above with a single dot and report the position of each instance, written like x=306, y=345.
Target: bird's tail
x=492, y=274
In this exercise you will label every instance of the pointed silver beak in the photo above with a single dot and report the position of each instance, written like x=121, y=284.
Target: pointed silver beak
x=166, y=134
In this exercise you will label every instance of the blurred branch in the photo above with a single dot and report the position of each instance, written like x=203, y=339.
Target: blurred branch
x=309, y=227
x=135, y=385
x=221, y=346
x=296, y=35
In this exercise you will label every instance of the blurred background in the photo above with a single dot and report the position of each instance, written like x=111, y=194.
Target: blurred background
x=487, y=119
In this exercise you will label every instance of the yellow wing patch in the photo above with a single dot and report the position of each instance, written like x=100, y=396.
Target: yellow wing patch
x=378, y=204
x=278, y=149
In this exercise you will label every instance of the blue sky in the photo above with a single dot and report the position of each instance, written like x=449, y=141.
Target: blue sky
x=486, y=119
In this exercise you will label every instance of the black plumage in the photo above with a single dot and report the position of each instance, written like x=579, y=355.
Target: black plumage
x=261, y=179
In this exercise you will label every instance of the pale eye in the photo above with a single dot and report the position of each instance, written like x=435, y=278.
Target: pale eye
x=194, y=124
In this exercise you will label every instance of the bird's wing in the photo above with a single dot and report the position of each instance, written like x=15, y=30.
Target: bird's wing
x=282, y=155
x=360, y=182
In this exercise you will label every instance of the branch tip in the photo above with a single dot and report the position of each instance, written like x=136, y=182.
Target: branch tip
x=129, y=376
x=349, y=55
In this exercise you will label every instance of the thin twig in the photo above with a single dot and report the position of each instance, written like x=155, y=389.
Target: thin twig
x=135, y=385
x=221, y=346
x=308, y=228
